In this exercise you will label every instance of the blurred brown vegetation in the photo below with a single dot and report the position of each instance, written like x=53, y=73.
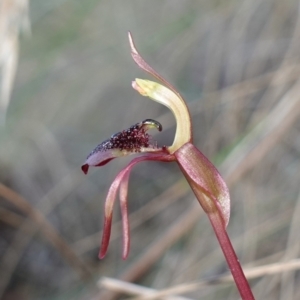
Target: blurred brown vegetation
x=236, y=63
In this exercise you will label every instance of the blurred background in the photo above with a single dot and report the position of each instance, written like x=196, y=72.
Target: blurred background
x=66, y=75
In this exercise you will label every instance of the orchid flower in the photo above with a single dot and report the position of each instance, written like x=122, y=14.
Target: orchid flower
x=207, y=184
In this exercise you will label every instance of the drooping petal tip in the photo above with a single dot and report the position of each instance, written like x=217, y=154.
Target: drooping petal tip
x=105, y=236
x=138, y=88
x=85, y=168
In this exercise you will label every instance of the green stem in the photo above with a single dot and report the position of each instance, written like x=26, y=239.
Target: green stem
x=231, y=258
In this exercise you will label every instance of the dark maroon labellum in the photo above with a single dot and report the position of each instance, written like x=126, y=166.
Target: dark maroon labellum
x=131, y=140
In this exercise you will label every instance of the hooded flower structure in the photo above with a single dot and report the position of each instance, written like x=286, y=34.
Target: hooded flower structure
x=204, y=179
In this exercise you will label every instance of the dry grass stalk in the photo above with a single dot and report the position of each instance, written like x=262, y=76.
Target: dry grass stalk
x=13, y=18
x=131, y=289
x=150, y=294
x=48, y=230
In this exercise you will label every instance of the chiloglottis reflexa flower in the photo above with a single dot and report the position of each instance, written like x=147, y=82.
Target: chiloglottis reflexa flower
x=204, y=179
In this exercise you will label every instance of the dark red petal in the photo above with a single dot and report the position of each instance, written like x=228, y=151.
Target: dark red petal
x=108, y=212
x=105, y=236
x=122, y=178
x=124, y=211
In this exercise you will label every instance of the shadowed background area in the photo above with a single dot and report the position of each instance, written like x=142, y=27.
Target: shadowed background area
x=237, y=65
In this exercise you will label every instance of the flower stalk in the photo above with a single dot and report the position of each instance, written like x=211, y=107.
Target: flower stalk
x=231, y=257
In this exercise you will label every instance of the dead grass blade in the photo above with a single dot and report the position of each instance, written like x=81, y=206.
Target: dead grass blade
x=13, y=18
x=131, y=289
x=150, y=294
x=49, y=232
x=263, y=136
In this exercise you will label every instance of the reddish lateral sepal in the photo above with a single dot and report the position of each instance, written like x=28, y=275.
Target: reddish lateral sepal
x=205, y=181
